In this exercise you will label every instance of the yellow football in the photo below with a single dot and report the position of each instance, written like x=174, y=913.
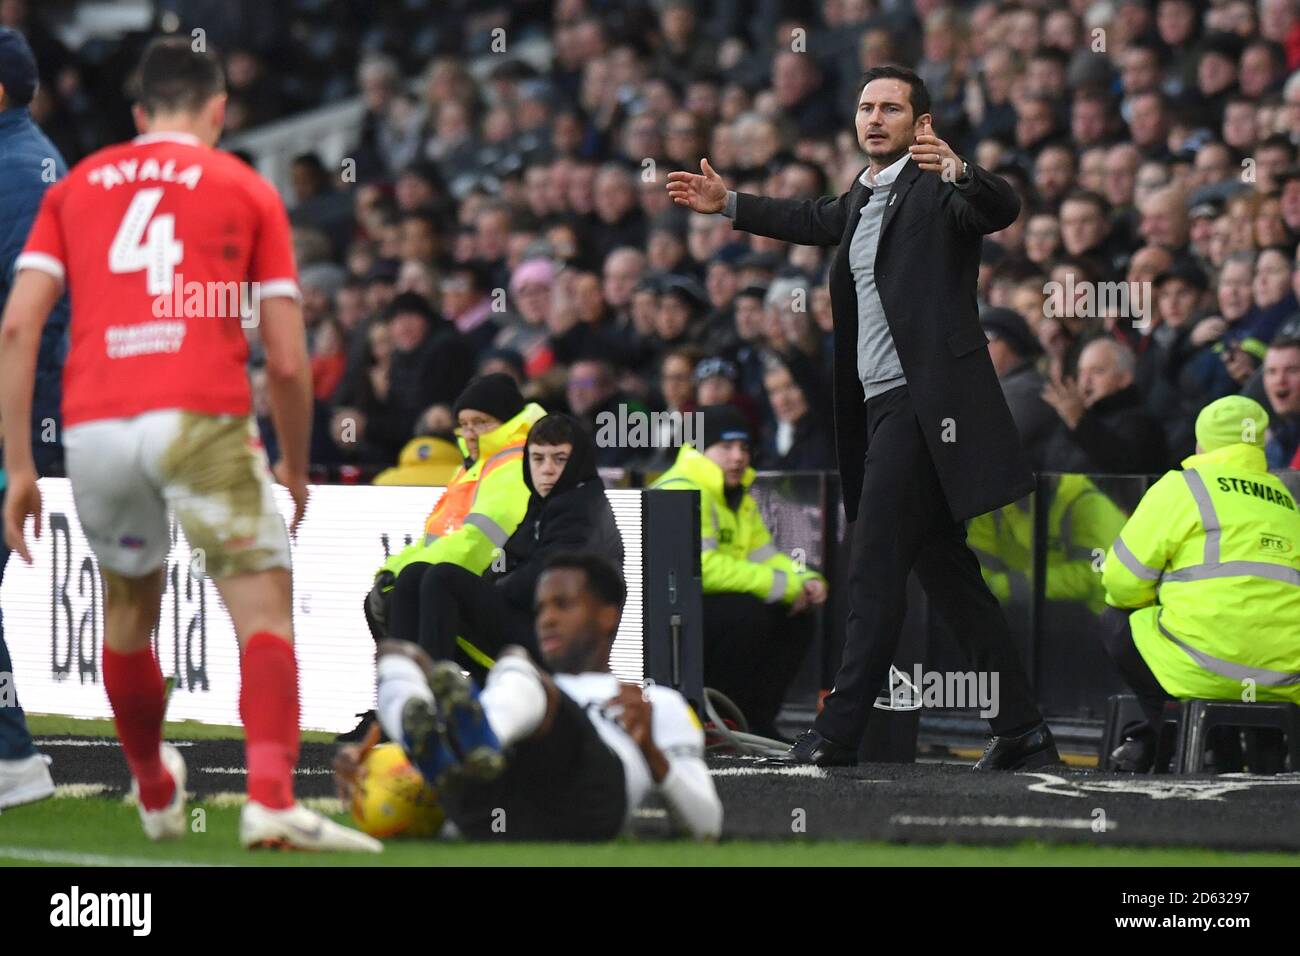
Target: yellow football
x=392, y=798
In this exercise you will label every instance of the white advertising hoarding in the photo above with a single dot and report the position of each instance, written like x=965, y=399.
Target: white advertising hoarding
x=53, y=609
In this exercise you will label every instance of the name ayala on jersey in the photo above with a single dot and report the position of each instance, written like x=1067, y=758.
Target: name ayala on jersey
x=126, y=171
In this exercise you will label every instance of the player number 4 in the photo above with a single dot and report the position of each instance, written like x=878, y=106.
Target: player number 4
x=148, y=242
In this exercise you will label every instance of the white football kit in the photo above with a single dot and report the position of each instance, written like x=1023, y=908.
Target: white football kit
x=688, y=789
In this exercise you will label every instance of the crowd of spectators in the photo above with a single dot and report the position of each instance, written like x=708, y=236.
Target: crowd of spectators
x=509, y=213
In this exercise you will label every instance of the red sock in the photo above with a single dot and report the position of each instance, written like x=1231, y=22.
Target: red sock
x=135, y=691
x=268, y=705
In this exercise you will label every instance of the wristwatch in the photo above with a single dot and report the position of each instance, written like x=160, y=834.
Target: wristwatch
x=965, y=176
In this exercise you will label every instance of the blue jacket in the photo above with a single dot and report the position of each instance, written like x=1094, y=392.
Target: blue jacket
x=31, y=164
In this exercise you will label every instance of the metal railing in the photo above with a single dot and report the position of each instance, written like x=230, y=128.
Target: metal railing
x=330, y=131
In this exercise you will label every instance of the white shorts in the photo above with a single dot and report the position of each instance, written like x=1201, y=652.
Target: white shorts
x=210, y=470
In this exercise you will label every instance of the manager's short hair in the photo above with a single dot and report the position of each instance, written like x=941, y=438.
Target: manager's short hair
x=919, y=96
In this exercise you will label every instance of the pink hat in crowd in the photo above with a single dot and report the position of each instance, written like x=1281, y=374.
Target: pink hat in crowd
x=532, y=271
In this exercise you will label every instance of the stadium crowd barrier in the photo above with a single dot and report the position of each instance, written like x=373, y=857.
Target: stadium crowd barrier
x=1041, y=555
x=53, y=608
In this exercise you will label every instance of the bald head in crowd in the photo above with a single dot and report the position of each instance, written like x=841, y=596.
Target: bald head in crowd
x=1164, y=218
x=622, y=271
x=1105, y=367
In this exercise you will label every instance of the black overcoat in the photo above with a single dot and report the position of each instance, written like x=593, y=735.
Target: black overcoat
x=927, y=262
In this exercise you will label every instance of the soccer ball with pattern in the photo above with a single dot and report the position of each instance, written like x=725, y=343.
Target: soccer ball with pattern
x=392, y=798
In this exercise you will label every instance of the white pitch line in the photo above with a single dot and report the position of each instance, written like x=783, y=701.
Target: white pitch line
x=1063, y=823
x=80, y=791
x=807, y=770
x=84, y=859
x=97, y=742
x=230, y=798
x=301, y=771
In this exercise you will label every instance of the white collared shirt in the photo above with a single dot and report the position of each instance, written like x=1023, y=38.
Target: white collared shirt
x=887, y=175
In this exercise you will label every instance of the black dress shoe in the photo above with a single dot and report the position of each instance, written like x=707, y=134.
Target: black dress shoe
x=1034, y=748
x=811, y=748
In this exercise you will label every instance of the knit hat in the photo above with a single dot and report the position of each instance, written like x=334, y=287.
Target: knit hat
x=685, y=288
x=532, y=271
x=1234, y=420
x=17, y=67
x=410, y=303
x=723, y=423
x=496, y=395
x=1186, y=271
x=716, y=367
x=1008, y=325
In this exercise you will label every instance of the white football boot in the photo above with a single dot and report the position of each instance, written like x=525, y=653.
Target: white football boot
x=25, y=780
x=298, y=828
x=169, y=822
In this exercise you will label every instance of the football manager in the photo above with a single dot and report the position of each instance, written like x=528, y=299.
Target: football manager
x=924, y=436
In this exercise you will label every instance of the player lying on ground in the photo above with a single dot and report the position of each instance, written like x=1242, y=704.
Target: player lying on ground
x=540, y=757
x=157, y=414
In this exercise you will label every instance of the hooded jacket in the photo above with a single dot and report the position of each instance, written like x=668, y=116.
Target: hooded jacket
x=575, y=516
x=481, y=507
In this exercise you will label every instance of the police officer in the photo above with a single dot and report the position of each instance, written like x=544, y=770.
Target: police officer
x=1204, y=579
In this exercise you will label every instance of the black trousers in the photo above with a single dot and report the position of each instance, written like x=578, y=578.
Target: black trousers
x=1117, y=638
x=565, y=784
x=904, y=524
x=433, y=604
x=751, y=652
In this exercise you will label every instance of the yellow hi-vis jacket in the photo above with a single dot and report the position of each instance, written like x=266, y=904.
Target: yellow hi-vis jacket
x=1081, y=524
x=482, y=505
x=738, y=553
x=1211, y=560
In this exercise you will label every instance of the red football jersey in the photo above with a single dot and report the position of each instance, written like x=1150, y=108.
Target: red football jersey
x=165, y=246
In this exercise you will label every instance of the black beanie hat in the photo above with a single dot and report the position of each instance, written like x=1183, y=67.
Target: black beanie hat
x=723, y=423
x=496, y=394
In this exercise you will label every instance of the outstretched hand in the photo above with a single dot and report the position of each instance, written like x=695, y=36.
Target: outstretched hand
x=934, y=155
x=702, y=193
